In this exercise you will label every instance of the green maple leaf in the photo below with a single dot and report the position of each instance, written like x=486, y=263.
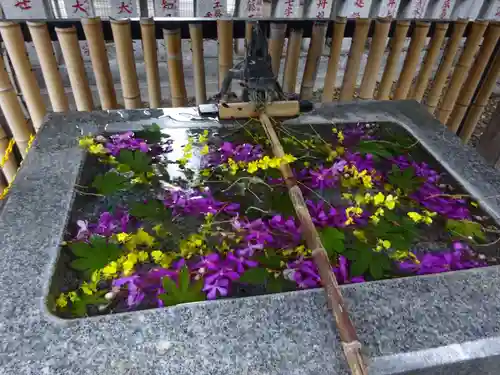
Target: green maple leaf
x=377, y=149
x=465, y=229
x=94, y=255
x=405, y=179
x=254, y=276
x=151, y=133
x=138, y=161
x=110, y=183
x=153, y=210
x=333, y=241
x=184, y=291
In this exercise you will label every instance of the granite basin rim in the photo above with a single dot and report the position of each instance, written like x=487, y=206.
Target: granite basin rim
x=287, y=333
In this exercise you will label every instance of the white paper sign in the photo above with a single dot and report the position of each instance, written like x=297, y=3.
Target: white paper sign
x=416, y=9
x=355, y=8
x=123, y=9
x=468, y=9
x=211, y=8
x=320, y=9
x=166, y=8
x=442, y=9
x=23, y=9
x=389, y=8
x=289, y=9
x=255, y=8
x=79, y=8
x=493, y=11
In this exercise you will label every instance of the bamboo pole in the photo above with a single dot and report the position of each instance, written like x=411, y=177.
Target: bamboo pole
x=175, y=70
x=100, y=62
x=196, y=33
x=14, y=43
x=333, y=60
x=292, y=61
x=477, y=107
x=248, y=34
x=470, y=85
x=354, y=59
x=431, y=56
x=461, y=69
x=53, y=81
x=382, y=26
x=151, y=61
x=9, y=103
x=350, y=341
x=446, y=64
x=276, y=41
x=225, y=41
x=412, y=59
x=76, y=70
x=312, y=60
x=10, y=167
x=396, y=48
x=122, y=36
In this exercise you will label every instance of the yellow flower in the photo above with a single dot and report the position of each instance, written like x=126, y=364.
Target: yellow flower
x=378, y=199
x=86, y=141
x=73, y=296
x=274, y=163
x=386, y=244
x=390, y=202
x=87, y=288
x=62, y=301
x=287, y=158
x=157, y=256
x=415, y=216
x=97, y=149
x=307, y=164
x=252, y=167
x=144, y=238
x=367, y=181
x=110, y=270
x=359, y=234
x=122, y=237
x=204, y=137
x=143, y=256
x=340, y=136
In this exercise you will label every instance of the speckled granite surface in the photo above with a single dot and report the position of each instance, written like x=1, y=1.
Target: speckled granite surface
x=443, y=324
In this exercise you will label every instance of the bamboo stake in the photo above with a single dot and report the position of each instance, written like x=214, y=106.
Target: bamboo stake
x=14, y=43
x=347, y=332
x=100, y=62
x=470, y=85
x=396, y=47
x=431, y=56
x=175, y=69
x=446, y=64
x=196, y=33
x=461, y=70
x=312, y=61
x=76, y=70
x=18, y=124
x=477, y=107
x=225, y=37
x=248, y=34
x=151, y=61
x=412, y=59
x=276, y=41
x=10, y=167
x=382, y=26
x=354, y=59
x=292, y=61
x=53, y=81
x=333, y=60
x=122, y=36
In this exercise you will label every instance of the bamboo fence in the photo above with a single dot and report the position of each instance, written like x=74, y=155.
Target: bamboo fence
x=450, y=66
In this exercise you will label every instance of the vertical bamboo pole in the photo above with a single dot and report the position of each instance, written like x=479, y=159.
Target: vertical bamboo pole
x=430, y=58
x=333, y=60
x=469, y=88
x=151, y=61
x=9, y=169
x=354, y=59
x=53, y=81
x=382, y=26
x=477, y=107
x=196, y=33
x=225, y=37
x=276, y=41
x=446, y=64
x=100, y=62
x=9, y=103
x=312, y=61
x=396, y=48
x=412, y=59
x=292, y=61
x=248, y=33
x=14, y=43
x=76, y=70
x=175, y=70
x=461, y=70
x=122, y=36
